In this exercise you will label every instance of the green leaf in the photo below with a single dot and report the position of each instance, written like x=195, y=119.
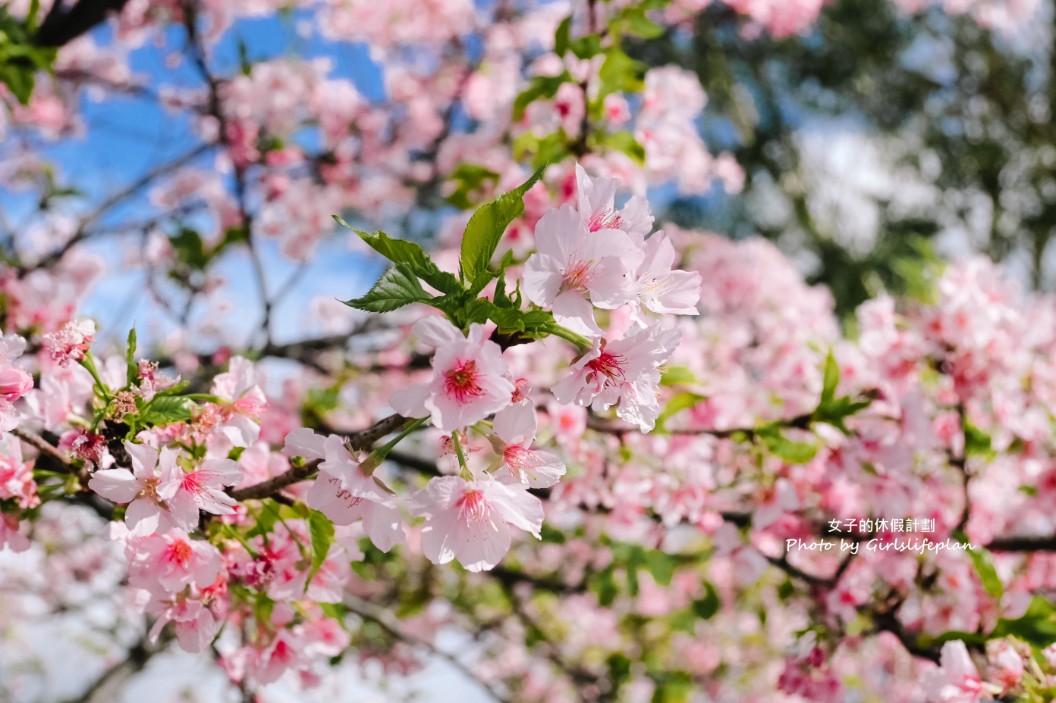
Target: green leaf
x=674, y=375
x=336, y=611
x=831, y=379
x=470, y=178
x=704, y=608
x=660, y=565
x=167, y=409
x=787, y=450
x=561, y=36
x=984, y=566
x=400, y=251
x=1037, y=626
x=269, y=515
x=20, y=57
x=541, y=150
x=485, y=229
x=396, y=288
x=586, y=47
x=132, y=368
x=540, y=87
x=976, y=442
x=189, y=248
x=619, y=72
x=625, y=143
x=603, y=584
x=321, y=531
x=642, y=26
x=678, y=403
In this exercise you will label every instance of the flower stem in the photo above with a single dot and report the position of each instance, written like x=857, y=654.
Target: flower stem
x=461, y=456
x=568, y=335
x=378, y=455
x=89, y=363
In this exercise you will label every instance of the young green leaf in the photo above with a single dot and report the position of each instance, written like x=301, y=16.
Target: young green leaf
x=166, y=409
x=485, y=229
x=132, y=372
x=321, y=531
x=396, y=288
x=400, y=251
x=561, y=36
x=544, y=87
x=784, y=448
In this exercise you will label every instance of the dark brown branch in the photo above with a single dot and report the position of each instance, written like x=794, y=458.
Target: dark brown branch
x=1023, y=543
x=360, y=441
x=109, y=683
x=63, y=23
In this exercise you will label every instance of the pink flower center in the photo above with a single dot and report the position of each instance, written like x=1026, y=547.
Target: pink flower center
x=472, y=507
x=192, y=482
x=578, y=275
x=178, y=552
x=517, y=457
x=607, y=365
x=462, y=382
x=604, y=219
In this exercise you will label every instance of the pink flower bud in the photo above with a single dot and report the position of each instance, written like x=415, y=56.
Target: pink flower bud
x=14, y=383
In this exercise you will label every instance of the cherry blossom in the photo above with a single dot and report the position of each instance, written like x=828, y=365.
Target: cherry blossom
x=471, y=520
x=469, y=378
x=573, y=264
x=145, y=512
x=201, y=488
x=515, y=430
x=624, y=373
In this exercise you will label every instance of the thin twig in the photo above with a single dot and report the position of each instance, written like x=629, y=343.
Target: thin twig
x=393, y=626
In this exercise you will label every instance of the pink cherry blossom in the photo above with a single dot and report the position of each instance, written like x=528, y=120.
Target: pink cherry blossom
x=624, y=372
x=71, y=342
x=187, y=492
x=575, y=268
x=515, y=429
x=16, y=474
x=956, y=680
x=471, y=520
x=659, y=288
x=146, y=513
x=596, y=202
x=166, y=564
x=244, y=401
x=345, y=493
x=469, y=378
x=12, y=534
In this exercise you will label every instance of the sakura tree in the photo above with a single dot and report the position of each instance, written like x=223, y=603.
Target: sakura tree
x=380, y=356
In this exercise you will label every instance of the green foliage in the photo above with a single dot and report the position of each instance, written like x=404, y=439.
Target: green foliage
x=976, y=442
x=540, y=151
x=401, y=251
x=623, y=142
x=485, y=229
x=469, y=179
x=20, y=57
x=1036, y=627
x=396, y=288
x=787, y=450
x=678, y=403
x=165, y=410
x=619, y=72
x=539, y=88
x=832, y=409
x=984, y=567
x=321, y=531
x=706, y=607
x=132, y=368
